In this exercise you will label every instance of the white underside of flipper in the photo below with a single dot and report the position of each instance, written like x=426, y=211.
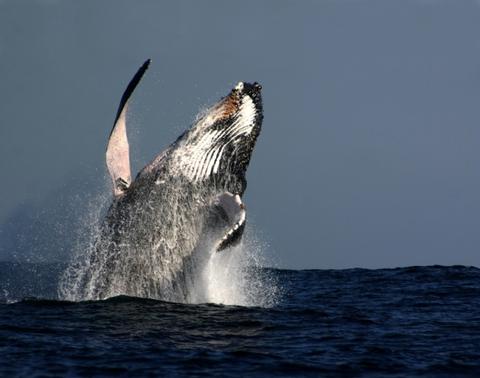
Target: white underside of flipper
x=118, y=154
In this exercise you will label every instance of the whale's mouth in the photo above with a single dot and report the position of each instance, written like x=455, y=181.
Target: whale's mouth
x=233, y=212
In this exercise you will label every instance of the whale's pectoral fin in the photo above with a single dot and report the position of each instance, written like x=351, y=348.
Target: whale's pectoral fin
x=234, y=214
x=118, y=159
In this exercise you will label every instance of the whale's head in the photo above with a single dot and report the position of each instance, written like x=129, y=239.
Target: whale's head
x=219, y=145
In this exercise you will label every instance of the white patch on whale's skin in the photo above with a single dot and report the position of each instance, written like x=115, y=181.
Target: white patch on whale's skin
x=242, y=126
x=207, y=153
x=246, y=118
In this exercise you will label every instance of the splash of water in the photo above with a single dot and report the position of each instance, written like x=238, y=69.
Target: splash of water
x=236, y=277
x=70, y=284
x=231, y=277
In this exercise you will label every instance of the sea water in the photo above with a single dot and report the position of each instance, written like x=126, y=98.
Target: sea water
x=405, y=322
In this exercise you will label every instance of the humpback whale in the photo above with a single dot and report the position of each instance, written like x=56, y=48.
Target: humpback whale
x=185, y=204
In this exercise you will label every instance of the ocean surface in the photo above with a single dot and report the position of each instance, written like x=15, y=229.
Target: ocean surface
x=406, y=322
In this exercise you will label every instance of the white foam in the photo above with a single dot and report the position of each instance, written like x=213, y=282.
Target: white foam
x=233, y=277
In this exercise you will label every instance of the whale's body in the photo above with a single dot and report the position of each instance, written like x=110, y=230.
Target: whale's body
x=183, y=205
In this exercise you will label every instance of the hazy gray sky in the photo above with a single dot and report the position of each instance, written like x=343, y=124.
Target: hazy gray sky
x=369, y=154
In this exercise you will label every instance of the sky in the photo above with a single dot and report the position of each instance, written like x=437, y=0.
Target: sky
x=369, y=154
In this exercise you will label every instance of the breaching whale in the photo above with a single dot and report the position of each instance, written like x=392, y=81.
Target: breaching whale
x=183, y=205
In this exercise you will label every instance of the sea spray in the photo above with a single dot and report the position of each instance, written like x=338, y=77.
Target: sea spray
x=237, y=276
x=232, y=277
x=72, y=280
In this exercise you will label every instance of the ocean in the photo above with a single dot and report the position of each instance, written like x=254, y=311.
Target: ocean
x=405, y=322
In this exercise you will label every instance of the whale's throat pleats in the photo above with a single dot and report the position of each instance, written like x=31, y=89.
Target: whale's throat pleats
x=212, y=148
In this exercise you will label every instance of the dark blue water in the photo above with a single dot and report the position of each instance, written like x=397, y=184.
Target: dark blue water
x=418, y=321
